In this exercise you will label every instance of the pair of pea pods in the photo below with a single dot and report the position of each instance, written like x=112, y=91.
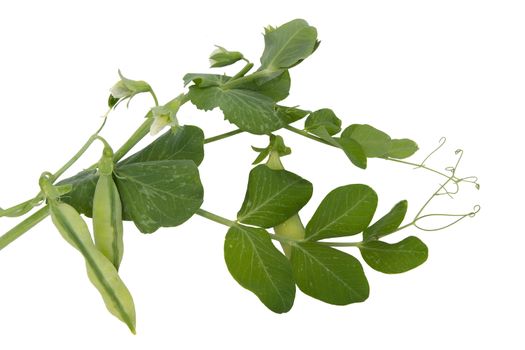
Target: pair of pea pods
x=104, y=254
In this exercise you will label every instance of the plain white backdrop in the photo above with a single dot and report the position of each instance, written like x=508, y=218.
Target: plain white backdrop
x=417, y=69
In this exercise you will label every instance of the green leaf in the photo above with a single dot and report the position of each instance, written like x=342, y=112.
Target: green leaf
x=345, y=211
x=402, y=148
x=160, y=193
x=291, y=114
x=328, y=274
x=273, y=196
x=277, y=87
x=375, y=143
x=81, y=195
x=288, y=45
x=258, y=266
x=394, y=258
x=354, y=152
x=323, y=118
x=183, y=142
x=388, y=223
x=325, y=135
x=205, y=99
x=249, y=110
x=203, y=80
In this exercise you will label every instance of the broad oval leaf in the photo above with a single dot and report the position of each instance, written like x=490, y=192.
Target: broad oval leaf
x=184, y=142
x=375, y=143
x=160, y=193
x=273, y=196
x=323, y=118
x=258, y=266
x=345, y=211
x=402, y=148
x=328, y=274
x=354, y=152
x=394, y=258
x=388, y=223
x=288, y=44
x=251, y=111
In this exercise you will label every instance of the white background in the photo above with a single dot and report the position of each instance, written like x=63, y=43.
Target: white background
x=418, y=69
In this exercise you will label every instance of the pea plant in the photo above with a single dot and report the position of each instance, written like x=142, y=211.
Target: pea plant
x=159, y=186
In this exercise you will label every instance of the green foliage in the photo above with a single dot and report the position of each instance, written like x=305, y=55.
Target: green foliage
x=288, y=45
x=388, y=223
x=160, y=186
x=249, y=110
x=157, y=194
x=394, y=258
x=328, y=274
x=402, y=148
x=258, y=266
x=273, y=196
x=324, y=119
x=183, y=143
x=345, y=211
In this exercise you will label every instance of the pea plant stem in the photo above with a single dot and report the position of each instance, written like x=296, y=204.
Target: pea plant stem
x=23, y=227
x=214, y=217
x=420, y=166
x=243, y=71
x=341, y=244
x=223, y=136
x=154, y=97
x=307, y=134
x=72, y=161
x=138, y=135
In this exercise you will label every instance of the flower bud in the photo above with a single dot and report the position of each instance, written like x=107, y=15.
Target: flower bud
x=126, y=88
x=165, y=115
x=222, y=57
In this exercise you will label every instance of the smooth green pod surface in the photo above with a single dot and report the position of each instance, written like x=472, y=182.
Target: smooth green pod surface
x=107, y=220
x=101, y=271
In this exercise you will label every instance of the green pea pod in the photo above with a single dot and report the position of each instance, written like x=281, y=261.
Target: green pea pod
x=107, y=220
x=101, y=271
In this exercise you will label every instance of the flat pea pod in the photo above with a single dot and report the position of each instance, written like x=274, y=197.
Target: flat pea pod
x=107, y=220
x=101, y=271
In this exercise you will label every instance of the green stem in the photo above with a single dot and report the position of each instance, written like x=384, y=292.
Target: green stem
x=341, y=244
x=216, y=218
x=243, y=71
x=79, y=154
x=138, y=135
x=154, y=97
x=22, y=208
x=223, y=136
x=455, y=179
x=307, y=134
x=23, y=227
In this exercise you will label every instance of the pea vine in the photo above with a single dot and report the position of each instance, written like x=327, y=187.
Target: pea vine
x=159, y=186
